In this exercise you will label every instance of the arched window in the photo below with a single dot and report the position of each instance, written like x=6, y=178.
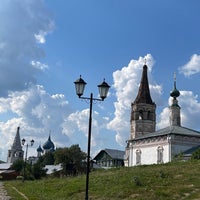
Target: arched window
x=149, y=115
x=140, y=115
x=160, y=154
x=138, y=157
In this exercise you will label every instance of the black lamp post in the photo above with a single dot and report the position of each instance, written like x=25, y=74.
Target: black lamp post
x=103, y=91
x=31, y=144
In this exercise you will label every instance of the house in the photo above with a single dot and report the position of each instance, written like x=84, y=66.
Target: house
x=108, y=158
x=149, y=146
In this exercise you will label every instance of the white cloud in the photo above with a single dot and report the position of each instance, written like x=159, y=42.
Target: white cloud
x=190, y=109
x=36, y=112
x=20, y=22
x=163, y=119
x=192, y=67
x=39, y=65
x=126, y=82
x=78, y=122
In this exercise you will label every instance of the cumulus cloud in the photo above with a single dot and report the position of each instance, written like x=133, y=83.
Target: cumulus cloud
x=190, y=109
x=126, y=83
x=36, y=112
x=192, y=67
x=23, y=25
x=78, y=122
x=163, y=118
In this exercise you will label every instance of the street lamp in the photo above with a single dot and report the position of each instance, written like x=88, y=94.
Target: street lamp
x=103, y=91
x=31, y=144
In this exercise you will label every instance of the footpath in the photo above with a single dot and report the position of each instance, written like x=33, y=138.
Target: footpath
x=3, y=193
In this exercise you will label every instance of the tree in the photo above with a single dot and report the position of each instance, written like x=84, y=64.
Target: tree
x=49, y=158
x=196, y=154
x=18, y=165
x=38, y=170
x=71, y=159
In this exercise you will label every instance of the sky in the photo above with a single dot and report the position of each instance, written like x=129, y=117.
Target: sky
x=46, y=45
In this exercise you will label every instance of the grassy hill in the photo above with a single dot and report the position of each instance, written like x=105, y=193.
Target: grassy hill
x=177, y=180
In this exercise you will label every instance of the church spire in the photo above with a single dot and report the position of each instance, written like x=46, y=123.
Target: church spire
x=175, y=117
x=17, y=141
x=16, y=152
x=144, y=92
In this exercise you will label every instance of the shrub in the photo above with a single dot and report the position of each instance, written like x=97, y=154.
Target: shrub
x=137, y=181
x=19, y=177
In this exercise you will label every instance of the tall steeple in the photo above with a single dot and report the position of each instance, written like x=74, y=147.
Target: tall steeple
x=175, y=117
x=16, y=152
x=143, y=116
x=17, y=141
x=144, y=93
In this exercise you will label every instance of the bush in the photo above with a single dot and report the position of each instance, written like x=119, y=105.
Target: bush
x=137, y=181
x=196, y=154
x=19, y=177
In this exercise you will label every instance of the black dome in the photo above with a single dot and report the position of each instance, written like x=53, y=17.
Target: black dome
x=48, y=145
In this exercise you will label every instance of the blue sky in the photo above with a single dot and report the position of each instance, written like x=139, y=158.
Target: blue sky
x=46, y=45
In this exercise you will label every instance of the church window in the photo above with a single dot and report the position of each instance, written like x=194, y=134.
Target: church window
x=20, y=154
x=140, y=115
x=138, y=157
x=149, y=115
x=160, y=155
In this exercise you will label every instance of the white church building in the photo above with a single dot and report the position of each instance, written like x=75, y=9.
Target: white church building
x=148, y=146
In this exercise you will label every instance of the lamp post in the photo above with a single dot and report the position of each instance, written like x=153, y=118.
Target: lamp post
x=103, y=91
x=27, y=145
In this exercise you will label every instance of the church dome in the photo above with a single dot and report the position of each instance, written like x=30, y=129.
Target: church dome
x=48, y=145
x=175, y=93
x=39, y=149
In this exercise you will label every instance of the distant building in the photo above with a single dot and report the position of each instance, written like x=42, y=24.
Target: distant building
x=39, y=151
x=16, y=152
x=49, y=145
x=108, y=158
x=148, y=146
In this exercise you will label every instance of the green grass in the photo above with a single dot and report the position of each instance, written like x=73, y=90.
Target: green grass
x=177, y=180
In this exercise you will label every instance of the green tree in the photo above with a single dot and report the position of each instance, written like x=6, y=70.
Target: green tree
x=71, y=158
x=196, y=154
x=38, y=170
x=47, y=159
x=18, y=165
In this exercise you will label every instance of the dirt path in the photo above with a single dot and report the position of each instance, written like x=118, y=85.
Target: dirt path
x=3, y=193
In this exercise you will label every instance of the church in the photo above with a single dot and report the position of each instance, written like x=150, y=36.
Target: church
x=16, y=152
x=147, y=145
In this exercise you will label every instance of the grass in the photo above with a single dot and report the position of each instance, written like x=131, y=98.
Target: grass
x=176, y=180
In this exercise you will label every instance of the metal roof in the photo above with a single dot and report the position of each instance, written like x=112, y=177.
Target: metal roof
x=113, y=153
x=144, y=95
x=4, y=166
x=171, y=130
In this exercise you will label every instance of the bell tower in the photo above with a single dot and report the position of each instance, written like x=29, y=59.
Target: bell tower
x=16, y=152
x=143, y=115
x=175, y=116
